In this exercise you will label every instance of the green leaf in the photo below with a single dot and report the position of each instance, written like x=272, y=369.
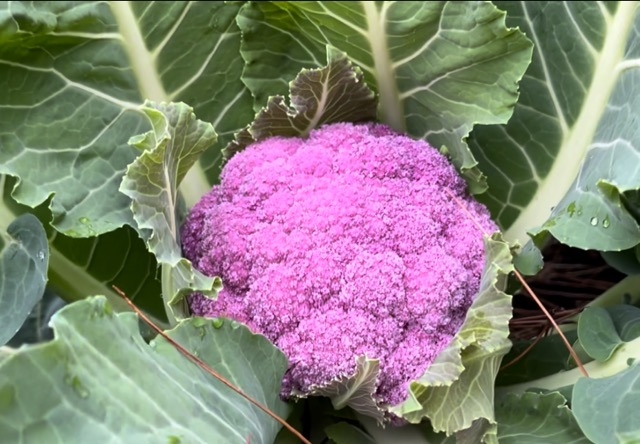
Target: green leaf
x=345, y=433
x=597, y=333
x=169, y=150
x=23, y=272
x=548, y=356
x=567, y=160
x=535, y=418
x=607, y=409
x=334, y=93
x=71, y=390
x=625, y=261
x=439, y=68
x=74, y=76
x=457, y=389
x=83, y=266
x=627, y=321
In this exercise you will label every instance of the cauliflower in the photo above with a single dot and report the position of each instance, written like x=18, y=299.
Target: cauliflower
x=340, y=245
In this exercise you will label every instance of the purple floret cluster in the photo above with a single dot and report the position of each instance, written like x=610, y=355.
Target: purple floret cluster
x=340, y=245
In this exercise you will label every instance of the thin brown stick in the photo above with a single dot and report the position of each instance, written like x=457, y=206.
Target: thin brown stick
x=209, y=370
x=573, y=353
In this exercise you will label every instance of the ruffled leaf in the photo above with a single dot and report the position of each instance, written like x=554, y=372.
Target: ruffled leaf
x=457, y=388
x=334, y=93
x=170, y=149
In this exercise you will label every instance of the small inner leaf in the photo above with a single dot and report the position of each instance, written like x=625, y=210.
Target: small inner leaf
x=334, y=93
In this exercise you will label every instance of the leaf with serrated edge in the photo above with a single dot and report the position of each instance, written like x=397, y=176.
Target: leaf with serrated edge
x=23, y=272
x=334, y=93
x=168, y=398
x=607, y=408
x=458, y=386
x=439, y=68
x=572, y=149
x=532, y=418
x=152, y=180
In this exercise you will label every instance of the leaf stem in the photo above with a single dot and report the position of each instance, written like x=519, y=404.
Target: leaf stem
x=166, y=286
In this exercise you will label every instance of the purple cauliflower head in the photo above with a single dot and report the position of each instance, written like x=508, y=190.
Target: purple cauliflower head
x=340, y=245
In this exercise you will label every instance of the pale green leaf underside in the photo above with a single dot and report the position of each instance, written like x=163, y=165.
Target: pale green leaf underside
x=334, y=93
x=73, y=77
x=356, y=391
x=532, y=418
x=23, y=272
x=438, y=67
x=71, y=390
x=457, y=388
x=572, y=147
x=607, y=408
x=169, y=150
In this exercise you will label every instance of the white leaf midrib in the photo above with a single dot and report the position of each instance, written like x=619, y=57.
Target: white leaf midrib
x=577, y=139
x=141, y=59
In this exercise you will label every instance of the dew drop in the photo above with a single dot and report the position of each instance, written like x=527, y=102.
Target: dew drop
x=41, y=255
x=605, y=222
x=594, y=221
x=217, y=323
x=74, y=382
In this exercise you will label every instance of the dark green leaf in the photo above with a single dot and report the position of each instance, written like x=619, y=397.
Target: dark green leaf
x=98, y=381
x=438, y=67
x=607, y=408
x=565, y=161
x=547, y=357
x=23, y=272
x=345, y=433
x=73, y=77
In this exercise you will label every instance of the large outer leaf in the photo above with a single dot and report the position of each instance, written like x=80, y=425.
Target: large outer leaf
x=457, y=389
x=572, y=148
x=23, y=272
x=607, y=408
x=438, y=67
x=537, y=418
x=169, y=150
x=71, y=390
x=73, y=76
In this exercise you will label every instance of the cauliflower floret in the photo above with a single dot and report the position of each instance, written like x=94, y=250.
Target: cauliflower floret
x=340, y=245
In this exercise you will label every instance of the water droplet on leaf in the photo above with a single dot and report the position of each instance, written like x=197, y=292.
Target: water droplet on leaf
x=41, y=255
x=605, y=222
x=594, y=221
x=217, y=323
x=74, y=382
